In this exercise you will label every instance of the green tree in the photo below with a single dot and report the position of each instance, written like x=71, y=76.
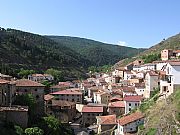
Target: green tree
x=19, y=130
x=34, y=131
x=24, y=73
x=58, y=75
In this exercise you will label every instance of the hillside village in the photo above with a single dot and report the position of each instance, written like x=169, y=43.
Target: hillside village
x=104, y=103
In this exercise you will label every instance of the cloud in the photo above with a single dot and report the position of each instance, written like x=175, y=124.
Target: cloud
x=122, y=43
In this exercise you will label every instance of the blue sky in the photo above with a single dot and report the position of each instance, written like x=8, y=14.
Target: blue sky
x=136, y=23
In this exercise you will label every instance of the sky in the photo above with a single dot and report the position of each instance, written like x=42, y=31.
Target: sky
x=135, y=23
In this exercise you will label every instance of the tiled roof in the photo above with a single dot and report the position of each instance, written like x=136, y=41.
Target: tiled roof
x=116, y=98
x=108, y=119
x=130, y=118
x=59, y=86
x=128, y=88
x=48, y=97
x=25, y=82
x=117, y=104
x=92, y=109
x=36, y=75
x=152, y=73
x=70, y=92
x=2, y=81
x=139, y=85
x=62, y=103
x=135, y=98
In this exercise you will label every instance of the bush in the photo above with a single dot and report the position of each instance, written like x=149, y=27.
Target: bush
x=152, y=131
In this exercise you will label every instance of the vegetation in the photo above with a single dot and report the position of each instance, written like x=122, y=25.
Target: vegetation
x=97, y=52
x=153, y=53
x=151, y=57
x=104, y=69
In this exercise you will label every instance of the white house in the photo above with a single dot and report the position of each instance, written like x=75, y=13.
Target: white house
x=131, y=102
x=140, y=88
x=170, y=79
x=151, y=83
x=129, y=123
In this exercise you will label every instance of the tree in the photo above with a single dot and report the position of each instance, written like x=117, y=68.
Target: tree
x=34, y=131
x=58, y=75
x=19, y=130
x=26, y=100
x=24, y=73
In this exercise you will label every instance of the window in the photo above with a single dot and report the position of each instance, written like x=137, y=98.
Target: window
x=135, y=104
x=35, y=90
x=130, y=128
x=88, y=114
x=37, y=96
x=25, y=90
x=129, y=109
x=72, y=100
x=129, y=104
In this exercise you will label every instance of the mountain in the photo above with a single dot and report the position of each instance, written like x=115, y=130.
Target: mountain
x=20, y=49
x=97, y=52
x=169, y=43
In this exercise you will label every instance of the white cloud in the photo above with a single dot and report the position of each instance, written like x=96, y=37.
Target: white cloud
x=122, y=43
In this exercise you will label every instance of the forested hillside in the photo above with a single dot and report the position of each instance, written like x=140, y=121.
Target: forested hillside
x=30, y=51
x=169, y=43
x=97, y=52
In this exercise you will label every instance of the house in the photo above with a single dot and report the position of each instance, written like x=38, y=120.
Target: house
x=128, y=75
x=166, y=54
x=131, y=102
x=15, y=114
x=138, y=62
x=47, y=100
x=129, y=123
x=73, y=95
x=117, y=108
x=148, y=67
x=128, y=90
x=170, y=78
x=64, y=110
x=25, y=86
x=5, y=77
x=118, y=73
x=151, y=83
x=7, y=92
x=62, y=86
x=93, y=89
x=40, y=77
x=101, y=97
x=140, y=88
x=89, y=114
x=106, y=123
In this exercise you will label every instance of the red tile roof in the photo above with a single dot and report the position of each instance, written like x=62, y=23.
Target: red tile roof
x=25, y=82
x=177, y=63
x=116, y=98
x=92, y=109
x=107, y=120
x=135, y=98
x=2, y=81
x=117, y=104
x=48, y=97
x=130, y=118
x=70, y=92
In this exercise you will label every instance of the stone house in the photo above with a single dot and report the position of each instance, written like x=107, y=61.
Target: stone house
x=7, y=92
x=101, y=97
x=64, y=110
x=73, y=95
x=117, y=108
x=89, y=114
x=105, y=123
x=15, y=114
x=151, y=83
x=25, y=86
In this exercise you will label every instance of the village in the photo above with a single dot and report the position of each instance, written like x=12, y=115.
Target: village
x=104, y=103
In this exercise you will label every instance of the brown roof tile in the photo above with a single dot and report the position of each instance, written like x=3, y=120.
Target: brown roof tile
x=108, y=119
x=130, y=118
x=25, y=82
x=92, y=109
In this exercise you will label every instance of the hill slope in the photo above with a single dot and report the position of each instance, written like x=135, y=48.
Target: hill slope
x=30, y=51
x=163, y=117
x=97, y=52
x=170, y=43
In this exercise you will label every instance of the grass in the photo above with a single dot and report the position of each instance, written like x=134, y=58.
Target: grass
x=152, y=131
